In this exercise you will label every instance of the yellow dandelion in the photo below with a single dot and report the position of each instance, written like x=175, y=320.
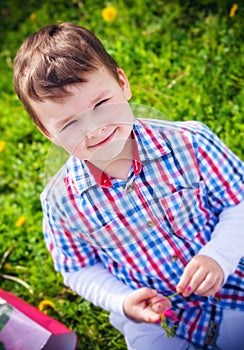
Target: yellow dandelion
x=46, y=303
x=7, y=266
x=109, y=13
x=233, y=10
x=33, y=16
x=2, y=146
x=21, y=221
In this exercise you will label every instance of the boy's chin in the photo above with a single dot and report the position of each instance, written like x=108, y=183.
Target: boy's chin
x=108, y=152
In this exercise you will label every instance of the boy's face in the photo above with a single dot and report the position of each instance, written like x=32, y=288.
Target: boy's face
x=95, y=121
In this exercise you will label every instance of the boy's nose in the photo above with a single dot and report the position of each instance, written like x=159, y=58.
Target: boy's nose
x=96, y=132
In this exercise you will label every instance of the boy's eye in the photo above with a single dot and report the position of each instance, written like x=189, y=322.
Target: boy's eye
x=67, y=125
x=101, y=102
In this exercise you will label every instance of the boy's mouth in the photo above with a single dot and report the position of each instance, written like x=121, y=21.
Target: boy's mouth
x=104, y=141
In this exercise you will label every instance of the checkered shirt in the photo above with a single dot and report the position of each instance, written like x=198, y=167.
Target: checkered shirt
x=145, y=229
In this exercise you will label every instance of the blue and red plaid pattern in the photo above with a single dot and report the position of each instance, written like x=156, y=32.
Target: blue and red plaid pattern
x=147, y=228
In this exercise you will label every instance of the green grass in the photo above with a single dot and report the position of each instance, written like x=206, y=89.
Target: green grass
x=182, y=59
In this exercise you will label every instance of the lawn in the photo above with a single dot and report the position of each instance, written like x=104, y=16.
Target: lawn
x=185, y=60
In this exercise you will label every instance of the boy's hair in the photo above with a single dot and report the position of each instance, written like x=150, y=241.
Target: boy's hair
x=53, y=57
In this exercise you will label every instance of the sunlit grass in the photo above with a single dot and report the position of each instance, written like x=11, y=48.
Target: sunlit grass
x=186, y=61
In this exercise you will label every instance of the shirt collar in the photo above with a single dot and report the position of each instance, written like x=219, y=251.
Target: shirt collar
x=150, y=139
x=149, y=144
x=103, y=179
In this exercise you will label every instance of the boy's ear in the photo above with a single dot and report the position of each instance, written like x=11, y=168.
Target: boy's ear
x=124, y=83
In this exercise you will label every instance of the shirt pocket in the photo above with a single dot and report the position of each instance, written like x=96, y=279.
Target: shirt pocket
x=115, y=233
x=181, y=209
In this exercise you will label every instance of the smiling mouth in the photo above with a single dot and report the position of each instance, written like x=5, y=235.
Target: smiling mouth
x=106, y=140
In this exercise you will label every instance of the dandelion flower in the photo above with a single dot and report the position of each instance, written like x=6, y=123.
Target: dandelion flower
x=21, y=221
x=7, y=266
x=109, y=13
x=233, y=10
x=2, y=146
x=33, y=16
x=46, y=303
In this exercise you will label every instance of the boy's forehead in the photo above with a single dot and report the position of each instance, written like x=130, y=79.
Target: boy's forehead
x=80, y=97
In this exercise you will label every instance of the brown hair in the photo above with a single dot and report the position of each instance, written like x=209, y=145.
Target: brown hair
x=53, y=57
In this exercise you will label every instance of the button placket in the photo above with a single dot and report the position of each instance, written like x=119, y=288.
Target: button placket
x=174, y=258
x=150, y=224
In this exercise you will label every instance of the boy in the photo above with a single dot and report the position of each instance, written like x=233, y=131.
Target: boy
x=142, y=208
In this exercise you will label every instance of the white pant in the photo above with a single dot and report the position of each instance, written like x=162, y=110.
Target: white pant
x=146, y=336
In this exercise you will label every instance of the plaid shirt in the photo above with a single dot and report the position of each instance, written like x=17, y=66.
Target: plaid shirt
x=145, y=229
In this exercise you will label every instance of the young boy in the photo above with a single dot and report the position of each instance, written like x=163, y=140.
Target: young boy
x=143, y=208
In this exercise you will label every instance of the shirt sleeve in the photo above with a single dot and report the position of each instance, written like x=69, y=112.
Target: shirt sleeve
x=68, y=252
x=100, y=287
x=223, y=174
x=220, y=169
x=227, y=243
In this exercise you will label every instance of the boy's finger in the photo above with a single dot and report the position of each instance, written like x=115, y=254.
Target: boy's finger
x=198, y=280
x=150, y=316
x=209, y=286
x=184, y=284
x=144, y=294
x=158, y=304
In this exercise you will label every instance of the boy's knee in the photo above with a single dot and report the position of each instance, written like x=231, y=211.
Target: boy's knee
x=146, y=336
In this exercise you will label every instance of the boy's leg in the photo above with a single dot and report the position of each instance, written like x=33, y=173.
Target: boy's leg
x=231, y=333
x=146, y=336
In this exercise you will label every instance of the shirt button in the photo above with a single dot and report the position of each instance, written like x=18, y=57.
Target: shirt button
x=129, y=189
x=217, y=299
x=150, y=224
x=174, y=258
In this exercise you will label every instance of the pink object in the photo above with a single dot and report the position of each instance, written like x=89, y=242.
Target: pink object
x=168, y=313
x=27, y=328
x=188, y=288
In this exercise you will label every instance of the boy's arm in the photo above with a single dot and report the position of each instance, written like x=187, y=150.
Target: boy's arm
x=222, y=172
x=227, y=243
x=97, y=285
x=101, y=288
x=210, y=268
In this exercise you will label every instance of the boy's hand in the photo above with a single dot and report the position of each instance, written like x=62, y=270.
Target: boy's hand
x=202, y=276
x=141, y=305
